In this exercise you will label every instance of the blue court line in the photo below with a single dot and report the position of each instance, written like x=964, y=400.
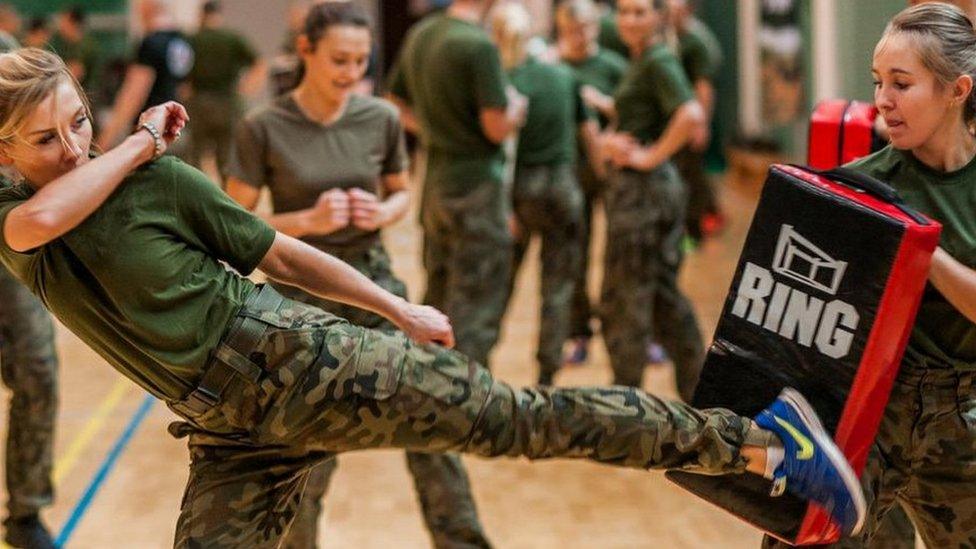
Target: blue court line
x=96, y=483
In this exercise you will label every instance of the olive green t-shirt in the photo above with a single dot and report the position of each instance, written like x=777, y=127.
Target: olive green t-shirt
x=556, y=110
x=448, y=72
x=141, y=280
x=700, y=52
x=220, y=56
x=298, y=159
x=603, y=71
x=609, y=37
x=941, y=334
x=653, y=88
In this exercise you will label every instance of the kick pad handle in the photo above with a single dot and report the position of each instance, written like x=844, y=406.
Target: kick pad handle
x=863, y=182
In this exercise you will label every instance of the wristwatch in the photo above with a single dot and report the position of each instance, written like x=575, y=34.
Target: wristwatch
x=157, y=138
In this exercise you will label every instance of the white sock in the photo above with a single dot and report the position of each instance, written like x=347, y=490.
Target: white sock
x=774, y=456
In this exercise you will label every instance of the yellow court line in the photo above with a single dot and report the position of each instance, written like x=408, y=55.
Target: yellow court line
x=79, y=444
x=65, y=463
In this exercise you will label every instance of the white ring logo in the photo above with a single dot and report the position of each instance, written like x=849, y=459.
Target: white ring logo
x=799, y=259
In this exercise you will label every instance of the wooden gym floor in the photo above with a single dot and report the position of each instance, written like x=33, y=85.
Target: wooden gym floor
x=371, y=503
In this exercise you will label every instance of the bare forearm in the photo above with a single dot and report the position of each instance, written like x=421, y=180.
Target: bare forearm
x=705, y=93
x=407, y=116
x=396, y=206
x=64, y=203
x=298, y=264
x=955, y=281
x=590, y=134
x=294, y=224
x=679, y=130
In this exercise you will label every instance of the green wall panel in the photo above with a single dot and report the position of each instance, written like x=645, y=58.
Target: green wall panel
x=45, y=7
x=720, y=16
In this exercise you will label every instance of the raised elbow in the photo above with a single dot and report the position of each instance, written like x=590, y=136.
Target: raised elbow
x=26, y=229
x=693, y=113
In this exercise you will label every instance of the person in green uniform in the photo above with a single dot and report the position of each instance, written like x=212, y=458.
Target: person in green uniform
x=450, y=86
x=79, y=51
x=656, y=116
x=130, y=251
x=599, y=71
x=9, y=27
x=546, y=195
x=221, y=55
x=336, y=165
x=701, y=56
x=923, y=68
x=609, y=35
x=29, y=369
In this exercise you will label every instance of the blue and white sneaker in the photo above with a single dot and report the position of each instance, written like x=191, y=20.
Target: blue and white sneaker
x=813, y=466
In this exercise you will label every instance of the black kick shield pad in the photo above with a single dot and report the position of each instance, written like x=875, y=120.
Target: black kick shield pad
x=823, y=300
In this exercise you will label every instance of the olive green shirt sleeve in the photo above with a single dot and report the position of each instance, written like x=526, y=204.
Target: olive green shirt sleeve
x=227, y=231
x=21, y=264
x=488, y=78
x=247, y=156
x=397, y=82
x=396, y=159
x=700, y=61
x=245, y=53
x=669, y=84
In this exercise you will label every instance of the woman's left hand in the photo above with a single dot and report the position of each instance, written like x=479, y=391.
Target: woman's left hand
x=366, y=210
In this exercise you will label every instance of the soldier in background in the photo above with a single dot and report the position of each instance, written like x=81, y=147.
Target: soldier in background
x=29, y=369
x=216, y=106
x=451, y=89
x=9, y=28
x=701, y=56
x=599, y=71
x=163, y=60
x=79, y=51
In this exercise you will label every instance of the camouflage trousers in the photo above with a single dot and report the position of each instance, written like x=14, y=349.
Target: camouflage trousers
x=30, y=370
x=641, y=299
x=441, y=481
x=468, y=258
x=548, y=203
x=332, y=387
x=215, y=118
x=923, y=460
x=701, y=196
x=582, y=312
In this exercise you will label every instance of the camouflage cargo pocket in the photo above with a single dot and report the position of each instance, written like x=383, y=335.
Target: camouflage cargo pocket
x=365, y=362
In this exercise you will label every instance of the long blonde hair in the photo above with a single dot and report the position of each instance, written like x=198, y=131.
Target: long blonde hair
x=511, y=27
x=27, y=77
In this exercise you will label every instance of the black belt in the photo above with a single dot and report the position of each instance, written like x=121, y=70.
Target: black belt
x=230, y=358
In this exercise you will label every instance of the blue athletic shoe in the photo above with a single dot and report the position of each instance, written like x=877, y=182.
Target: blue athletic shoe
x=579, y=352
x=813, y=467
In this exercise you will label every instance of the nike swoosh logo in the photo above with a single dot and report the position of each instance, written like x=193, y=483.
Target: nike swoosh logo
x=806, y=445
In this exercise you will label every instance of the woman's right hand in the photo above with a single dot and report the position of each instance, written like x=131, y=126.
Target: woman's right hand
x=425, y=324
x=330, y=212
x=169, y=118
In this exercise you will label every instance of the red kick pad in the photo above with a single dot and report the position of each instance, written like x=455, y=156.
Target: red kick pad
x=823, y=300
x=841, y=131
